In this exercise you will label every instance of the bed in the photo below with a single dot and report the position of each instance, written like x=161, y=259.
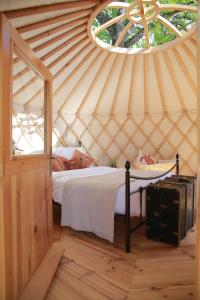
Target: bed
x=91, y=197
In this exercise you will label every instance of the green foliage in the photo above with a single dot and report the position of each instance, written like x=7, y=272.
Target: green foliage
x=105, y=37
x=112, y=12
x=186, y=2
x=140, y=44
x=158, y=33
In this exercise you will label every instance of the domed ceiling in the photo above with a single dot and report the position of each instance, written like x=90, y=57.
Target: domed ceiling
x=115, y=103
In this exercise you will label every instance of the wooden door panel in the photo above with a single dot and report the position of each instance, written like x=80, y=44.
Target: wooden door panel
x=25, y=186
x=40, y=207
x=31, y=223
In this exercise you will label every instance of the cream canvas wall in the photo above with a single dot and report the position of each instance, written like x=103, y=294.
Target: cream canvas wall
x=121, y=137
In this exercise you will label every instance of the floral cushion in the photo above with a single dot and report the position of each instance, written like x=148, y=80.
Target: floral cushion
x=58, y=163
x=79, y=161
x=145, y=159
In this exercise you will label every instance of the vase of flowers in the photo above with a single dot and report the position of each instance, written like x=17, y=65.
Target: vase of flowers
x=113, y=163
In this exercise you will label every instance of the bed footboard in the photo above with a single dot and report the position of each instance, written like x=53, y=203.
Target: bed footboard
x=128, y=193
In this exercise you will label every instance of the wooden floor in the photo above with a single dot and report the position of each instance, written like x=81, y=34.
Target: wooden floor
x=92, y=268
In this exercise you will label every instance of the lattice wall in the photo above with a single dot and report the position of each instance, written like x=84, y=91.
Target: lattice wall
x=27, y=130
x=120, y=137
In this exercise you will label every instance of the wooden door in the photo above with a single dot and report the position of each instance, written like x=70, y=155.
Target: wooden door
x=25, y=182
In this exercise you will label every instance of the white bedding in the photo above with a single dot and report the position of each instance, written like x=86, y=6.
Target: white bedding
x=81, y=219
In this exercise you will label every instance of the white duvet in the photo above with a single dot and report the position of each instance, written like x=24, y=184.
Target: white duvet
x=78, y=209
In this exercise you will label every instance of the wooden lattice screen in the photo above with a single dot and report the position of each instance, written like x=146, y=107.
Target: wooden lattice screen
x=121, y=137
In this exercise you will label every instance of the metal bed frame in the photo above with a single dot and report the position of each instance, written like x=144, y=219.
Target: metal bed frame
x=128, y=193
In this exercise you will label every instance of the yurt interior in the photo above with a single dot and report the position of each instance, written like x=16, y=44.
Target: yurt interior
x=99, y=150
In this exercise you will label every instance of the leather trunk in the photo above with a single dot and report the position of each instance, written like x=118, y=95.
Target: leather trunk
x=190, y=185
x=166, y=204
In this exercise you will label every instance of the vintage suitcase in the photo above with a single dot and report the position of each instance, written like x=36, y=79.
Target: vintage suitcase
x=165, y=212
x=190, y=185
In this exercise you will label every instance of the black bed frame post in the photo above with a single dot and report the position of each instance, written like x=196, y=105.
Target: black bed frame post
x=127, y=216
x=141, y=191
x=177, y=164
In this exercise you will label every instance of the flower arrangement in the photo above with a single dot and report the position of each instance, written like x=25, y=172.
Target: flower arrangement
x=113, y=163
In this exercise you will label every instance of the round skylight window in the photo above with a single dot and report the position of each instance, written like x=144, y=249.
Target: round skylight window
x=136, y=24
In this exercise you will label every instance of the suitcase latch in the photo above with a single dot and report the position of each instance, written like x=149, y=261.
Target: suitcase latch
x=175, y=233
x=163, y=225
x=156, y=214
x=162, y=205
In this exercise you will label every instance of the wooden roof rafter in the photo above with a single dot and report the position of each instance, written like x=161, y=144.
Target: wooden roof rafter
x=70, y=76
x=62, y=18
x=78, y=5
x=108, y=77
x=90, y=62
x=51, y=65
x=49, y=54
x=59, y=72
x=68, y=26
x=119, y=82
x=50, y=42
x=76, y=35
x=96, y=78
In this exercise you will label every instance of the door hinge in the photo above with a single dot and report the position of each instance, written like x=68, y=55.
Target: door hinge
x=1, y=167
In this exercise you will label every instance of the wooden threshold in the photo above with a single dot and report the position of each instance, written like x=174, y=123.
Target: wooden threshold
x=41, y=280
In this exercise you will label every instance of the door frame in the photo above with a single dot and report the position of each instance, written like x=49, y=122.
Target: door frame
x=197, y=250
x=8, y=36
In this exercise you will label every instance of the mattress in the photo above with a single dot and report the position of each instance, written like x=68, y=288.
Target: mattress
x=59, y=179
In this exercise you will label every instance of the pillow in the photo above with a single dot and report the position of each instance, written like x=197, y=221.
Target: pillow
x=72, y=165
x=58, y=163
x=66, y=152
x=79, y=161
x=159, y=167
x=145, y=159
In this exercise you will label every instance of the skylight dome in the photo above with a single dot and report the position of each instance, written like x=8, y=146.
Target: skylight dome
x=141, y=24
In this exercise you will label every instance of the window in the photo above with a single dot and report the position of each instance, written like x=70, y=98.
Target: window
x=140, y=24
x=27, y=109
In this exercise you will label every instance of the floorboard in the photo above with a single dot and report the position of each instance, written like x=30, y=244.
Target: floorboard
x=92, y=268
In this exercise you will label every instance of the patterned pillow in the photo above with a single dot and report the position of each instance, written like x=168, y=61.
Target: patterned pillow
x=145, y=159
x=79, y=161
x=67, y=152
x=58, y=163
x=71, y=165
